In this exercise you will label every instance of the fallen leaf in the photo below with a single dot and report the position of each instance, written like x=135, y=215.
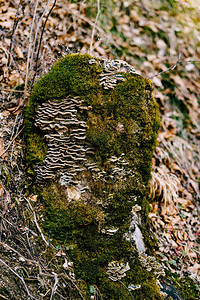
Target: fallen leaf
x=2, y=148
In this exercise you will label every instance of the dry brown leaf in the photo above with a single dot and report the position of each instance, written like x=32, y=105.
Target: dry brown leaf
x=1, y=191
x=19, y=52
x=14, y=78
x=195, y=269
x=5, y=113
x=34, y=198
x=2, y=148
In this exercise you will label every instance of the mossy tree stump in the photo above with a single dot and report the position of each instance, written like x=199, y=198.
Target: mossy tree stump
x=91, y=128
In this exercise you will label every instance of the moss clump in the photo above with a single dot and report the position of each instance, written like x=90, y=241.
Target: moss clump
x=123, y=122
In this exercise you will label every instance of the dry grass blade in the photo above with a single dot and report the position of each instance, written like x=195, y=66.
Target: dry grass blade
x=164, y=184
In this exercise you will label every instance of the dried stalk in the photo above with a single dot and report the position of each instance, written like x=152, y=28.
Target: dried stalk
x=40, y=42
x=37, y=30
x=30, y=49
x=93, y=29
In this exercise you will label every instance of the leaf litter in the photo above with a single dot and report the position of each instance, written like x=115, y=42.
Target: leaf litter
x=161, y=40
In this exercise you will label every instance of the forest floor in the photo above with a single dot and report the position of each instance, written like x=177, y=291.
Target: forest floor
x=161, y=40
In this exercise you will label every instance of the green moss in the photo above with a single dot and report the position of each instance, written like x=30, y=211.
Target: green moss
x=79, y=223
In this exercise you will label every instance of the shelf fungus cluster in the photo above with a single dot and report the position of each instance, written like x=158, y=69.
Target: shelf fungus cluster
x=111, y=71
x=119, y=168
x=150, y=264
x=65, y=136
x=133, y=287
x=117, y=271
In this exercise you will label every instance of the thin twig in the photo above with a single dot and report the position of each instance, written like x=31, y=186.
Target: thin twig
x=11, y=142
x=11, y=90
x=95, y=23
x=15, y=23
x=29, y=49
x=72, y=281
x=36, y=222
x=126, y=288
x=3, y=297
x=54, y=286
x=174, y=66
x=40, y=42
x=98, y=292
x=18, y=126
x=37, y=30
x=21, y=278
x=18, y=253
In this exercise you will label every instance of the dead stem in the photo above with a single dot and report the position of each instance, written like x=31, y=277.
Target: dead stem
x=40, y=42
x=37, y=30
x=29, y=50
x=93, y=29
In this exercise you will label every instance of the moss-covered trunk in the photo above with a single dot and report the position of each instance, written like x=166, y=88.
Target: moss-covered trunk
x=91, y=128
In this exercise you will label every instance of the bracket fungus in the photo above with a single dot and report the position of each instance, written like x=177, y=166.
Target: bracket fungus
x=91, y=127
x=112, y=68
x=117, y=270
x=65, y=136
